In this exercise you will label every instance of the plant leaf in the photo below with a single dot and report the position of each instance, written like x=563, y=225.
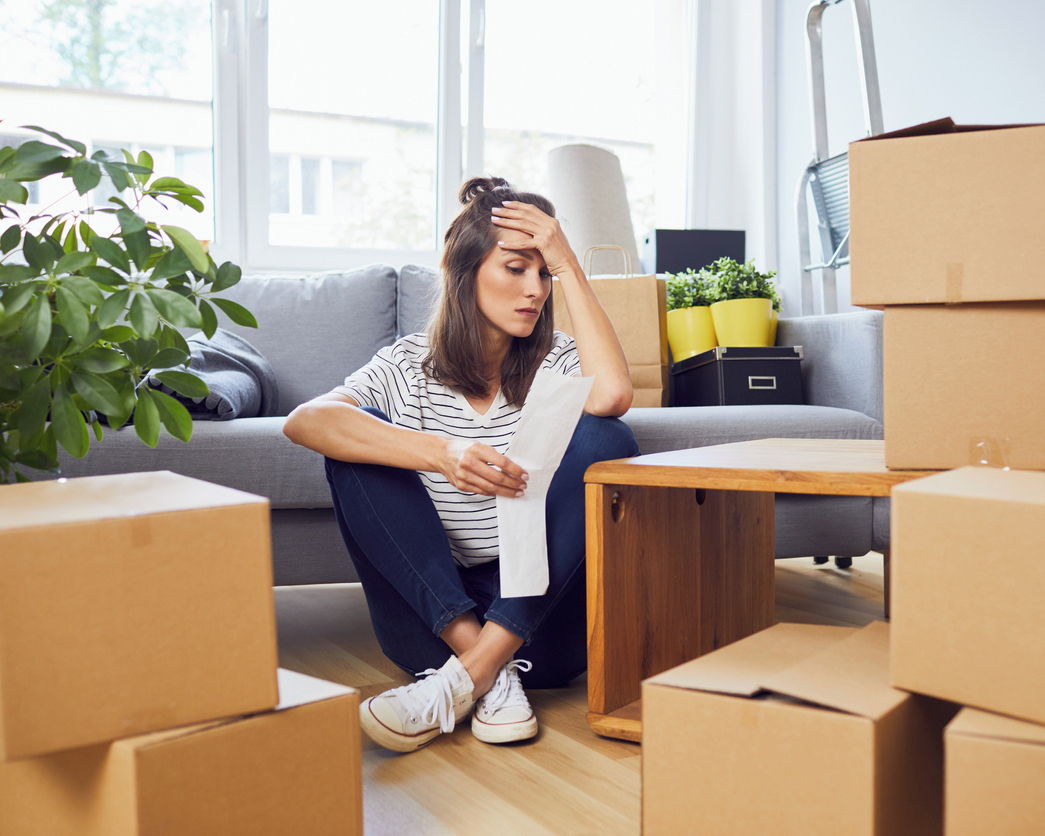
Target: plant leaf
x=138, y=246
x=32, y=414
x=129, y=221
x=174, y=415
x=11, y=191
x=144, y=317
x=118, y=174
x=111, y=252
x=17, y=296
x=12, y=236
x=147, y=418
x=37, y=253
x=100, y=360
x=34, y=151
x=176, y=309
x=72, y=262
x=97, y=391
x=79, y=147
x=36, y=328
x=72, y=314
x=104, y=276
x=210, y=319
x=86, y=291
x=69, y=426
x=112, y=308
x=184, y=383
x=188, y=243
x=86, y=175
x=236, y=312
x=228, y=275
x=167, y=357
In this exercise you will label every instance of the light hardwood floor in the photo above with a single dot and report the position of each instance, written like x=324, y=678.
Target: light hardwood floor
x=567, y=780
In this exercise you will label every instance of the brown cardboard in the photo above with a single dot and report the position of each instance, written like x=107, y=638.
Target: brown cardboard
x=948, y=214
x=967, y=578
x=130, y=603
x=964, y=382
x=995, y=769
x=291, y=771
x=793, y=730
x=637, y=307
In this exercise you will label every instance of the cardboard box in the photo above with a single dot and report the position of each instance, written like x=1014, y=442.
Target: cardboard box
x=948, y=213
x=295, y=770
x=637, y=307
x=964, y=383
x=995, y=771
x=967, y=578
x=130, y=603
x=793, y=730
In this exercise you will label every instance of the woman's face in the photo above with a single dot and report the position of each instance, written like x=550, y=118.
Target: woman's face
x=511, y=286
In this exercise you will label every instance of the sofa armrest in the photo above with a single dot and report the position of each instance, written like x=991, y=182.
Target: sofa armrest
x=841, y=359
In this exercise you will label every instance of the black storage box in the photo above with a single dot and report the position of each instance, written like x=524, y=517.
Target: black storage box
x=727, y=376
x=675, y=250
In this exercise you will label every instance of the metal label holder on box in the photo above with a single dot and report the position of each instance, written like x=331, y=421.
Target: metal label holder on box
x=738, y=375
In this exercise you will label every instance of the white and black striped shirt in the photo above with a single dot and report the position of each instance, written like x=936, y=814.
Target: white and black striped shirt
x=395, y=383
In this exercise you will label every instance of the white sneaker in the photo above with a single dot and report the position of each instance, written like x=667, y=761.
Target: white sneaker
x=503, y=713
x=406, y=718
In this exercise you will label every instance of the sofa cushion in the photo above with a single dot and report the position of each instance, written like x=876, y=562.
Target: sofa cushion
x=417, y=291
x=681, y=427
x=249, y=454
x=316, y=330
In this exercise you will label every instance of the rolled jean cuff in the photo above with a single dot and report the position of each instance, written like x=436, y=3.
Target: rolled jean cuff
x=510, y=626
x=450, y=615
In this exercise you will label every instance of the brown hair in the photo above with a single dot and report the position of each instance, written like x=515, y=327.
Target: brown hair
x=455, y=354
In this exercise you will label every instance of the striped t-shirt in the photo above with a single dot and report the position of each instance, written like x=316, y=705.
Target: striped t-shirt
x=395, y=383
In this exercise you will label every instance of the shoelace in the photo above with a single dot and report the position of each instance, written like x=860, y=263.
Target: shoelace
x=507, y=689
x=428, y=699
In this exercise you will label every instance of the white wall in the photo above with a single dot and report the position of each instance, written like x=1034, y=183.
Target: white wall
x=977, y=62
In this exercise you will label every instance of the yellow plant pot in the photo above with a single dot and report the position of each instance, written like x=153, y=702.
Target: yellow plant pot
x=774, y=319
x=690, y=332
x=743, y=322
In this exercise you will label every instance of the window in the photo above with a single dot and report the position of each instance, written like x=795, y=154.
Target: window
x=331, y=133
x=149, y=85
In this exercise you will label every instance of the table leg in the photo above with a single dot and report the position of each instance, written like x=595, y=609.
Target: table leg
x=672, y=573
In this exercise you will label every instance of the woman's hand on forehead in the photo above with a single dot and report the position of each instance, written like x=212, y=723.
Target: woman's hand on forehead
x=546, y=235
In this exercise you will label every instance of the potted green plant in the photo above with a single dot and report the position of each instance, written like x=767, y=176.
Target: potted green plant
x=91, y=300
x=747, y=305
x=691, y=330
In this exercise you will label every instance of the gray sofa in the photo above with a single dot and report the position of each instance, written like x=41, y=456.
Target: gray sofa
x=315, y=330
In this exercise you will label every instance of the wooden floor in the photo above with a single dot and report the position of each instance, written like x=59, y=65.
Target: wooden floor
x=567, y=780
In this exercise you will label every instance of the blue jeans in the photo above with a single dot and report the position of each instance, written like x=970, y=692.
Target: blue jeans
x=414, y=589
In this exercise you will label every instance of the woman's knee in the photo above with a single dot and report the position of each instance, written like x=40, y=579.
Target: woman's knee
x=604, y=438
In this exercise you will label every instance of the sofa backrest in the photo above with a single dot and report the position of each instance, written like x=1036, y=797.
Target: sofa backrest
x=316, y=330
x=417, y=290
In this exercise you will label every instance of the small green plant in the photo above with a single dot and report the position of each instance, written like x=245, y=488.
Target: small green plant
x=690, y=289
x=86, y=317
x=742, y=281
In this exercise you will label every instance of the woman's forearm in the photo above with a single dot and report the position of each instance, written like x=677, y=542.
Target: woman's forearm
x=599, y=349
x=339, y=430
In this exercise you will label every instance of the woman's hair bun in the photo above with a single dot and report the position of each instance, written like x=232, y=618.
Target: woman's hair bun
x=481, y=185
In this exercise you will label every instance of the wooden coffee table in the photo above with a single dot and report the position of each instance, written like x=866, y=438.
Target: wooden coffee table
x=681, y=553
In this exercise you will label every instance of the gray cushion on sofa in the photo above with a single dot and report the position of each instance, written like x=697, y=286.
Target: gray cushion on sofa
x=316, y=330
x=249, y=454
x=680, y=427
x=416, y=294
x=842, y=359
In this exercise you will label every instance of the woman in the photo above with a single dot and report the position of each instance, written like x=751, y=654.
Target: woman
x=414, y=445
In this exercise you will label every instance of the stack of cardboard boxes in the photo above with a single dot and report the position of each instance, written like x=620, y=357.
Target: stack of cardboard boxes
x=935, y=723
x=949, y=238
x=139, y=690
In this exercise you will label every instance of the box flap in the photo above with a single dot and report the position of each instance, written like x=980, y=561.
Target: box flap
x=940, y=126
x=851, y=675
x=972, y=722
x=976, y=482
x=297, y=689
x=741, y=668
x=48, y=503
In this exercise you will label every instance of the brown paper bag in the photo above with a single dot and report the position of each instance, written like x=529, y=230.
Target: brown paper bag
x=637, y=307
